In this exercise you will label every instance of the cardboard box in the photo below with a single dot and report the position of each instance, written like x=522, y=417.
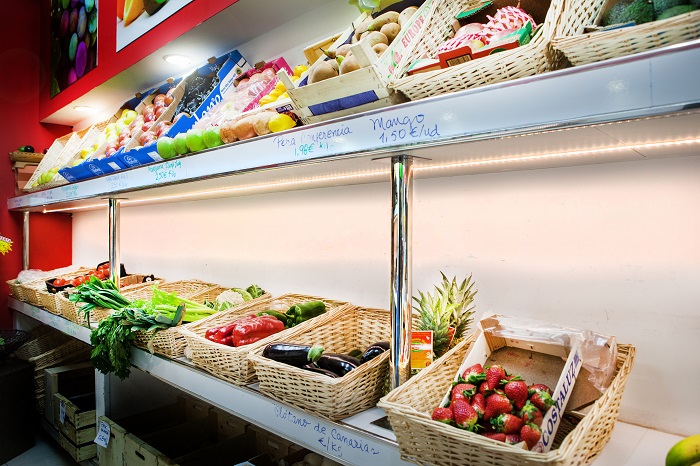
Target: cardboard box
x=552, y=364
x=234, y=65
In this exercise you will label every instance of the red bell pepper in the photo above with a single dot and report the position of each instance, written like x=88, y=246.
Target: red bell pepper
x=250, y=330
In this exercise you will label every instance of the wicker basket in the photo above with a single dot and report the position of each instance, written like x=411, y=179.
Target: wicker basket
x=48, y=300
x=230, y=363
x=339, y=398
x=525, y=60
x=16, y=290
x=34, y=289
x=603, y=45
x=57, y=159
x=425, y=441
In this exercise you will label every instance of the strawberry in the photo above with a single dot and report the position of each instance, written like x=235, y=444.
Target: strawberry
x=531, y=413
x=513, y=438
x=542, y=400
x=463, y=391
x=494, y=375
x=473, y=374
x=497, y=404
x=484, y=389
x=507, y=423
x=443, y=415
x=531, y=434
x=516, y=390
x=539, y=387
x=497, y=436
x=464, y=415
x=479, y=404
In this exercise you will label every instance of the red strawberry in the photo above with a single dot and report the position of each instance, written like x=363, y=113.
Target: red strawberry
x=539, y=387
x=507, y=423
x=542, y=400
x=443, y=415
x=513, y=438
x=494, y=375
x=516, y=390
x=473, y=374
x=464, y=415
x=479, y=404
x=531, y=434
x=463, y=391
x=531, y=413
x=497, y=436
x=484, y=389
x=497, y=404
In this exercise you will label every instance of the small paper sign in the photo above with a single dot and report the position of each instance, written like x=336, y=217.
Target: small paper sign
x=62, y=412
x=421, y=349
x=102, y=438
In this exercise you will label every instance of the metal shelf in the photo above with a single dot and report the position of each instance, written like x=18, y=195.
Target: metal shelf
x=632, y=108
x=354, y=441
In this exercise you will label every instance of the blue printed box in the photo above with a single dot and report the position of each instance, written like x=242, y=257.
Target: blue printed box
x=552, y=359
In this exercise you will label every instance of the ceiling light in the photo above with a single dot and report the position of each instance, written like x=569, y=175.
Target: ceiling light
x=84, y=109
x=177, y=60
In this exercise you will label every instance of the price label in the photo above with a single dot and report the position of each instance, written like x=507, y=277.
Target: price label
x=102, y=438
x=62, y=412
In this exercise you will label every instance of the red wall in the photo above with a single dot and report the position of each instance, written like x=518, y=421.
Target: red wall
x=109, y=61
x=21, y=77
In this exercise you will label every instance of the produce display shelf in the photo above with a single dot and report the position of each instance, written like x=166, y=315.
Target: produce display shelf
x=630, y=108
x=353, y=442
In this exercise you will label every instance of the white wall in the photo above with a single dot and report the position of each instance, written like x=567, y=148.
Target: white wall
x=612, y=247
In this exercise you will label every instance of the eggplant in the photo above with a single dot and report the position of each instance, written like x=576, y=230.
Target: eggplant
x=382, y=344
x=371, y=353
x=318, y=370
x=293, y=354
x=340, y=364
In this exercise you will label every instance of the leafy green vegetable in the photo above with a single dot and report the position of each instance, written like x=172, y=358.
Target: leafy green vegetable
x=255, y=291
x=2, y=341
x=98, y=293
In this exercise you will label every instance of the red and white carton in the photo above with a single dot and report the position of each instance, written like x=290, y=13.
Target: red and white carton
x=553, y=363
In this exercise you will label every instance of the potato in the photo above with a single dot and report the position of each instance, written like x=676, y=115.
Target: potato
x=376, y=37
x=349, y=64
x=322, y=70
x=379, y=49
x=390, y=30
x=381, y=20
x=406, y=15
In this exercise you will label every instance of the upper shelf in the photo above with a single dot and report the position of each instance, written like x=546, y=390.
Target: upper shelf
x=632, y=108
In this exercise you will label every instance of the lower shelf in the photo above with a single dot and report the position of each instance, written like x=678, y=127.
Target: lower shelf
x=355, y=440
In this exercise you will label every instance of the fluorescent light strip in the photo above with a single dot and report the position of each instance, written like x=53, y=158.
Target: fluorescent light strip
x=377, y=173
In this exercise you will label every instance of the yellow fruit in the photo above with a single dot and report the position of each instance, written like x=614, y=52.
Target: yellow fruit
x=132, y=10
x=684, y=453
x=281, y=122
x=295, y=78
x=85, y=152
x=299, y=70
x=266, y=100
x=275, y=93
x=283, y=95
x=280, y=87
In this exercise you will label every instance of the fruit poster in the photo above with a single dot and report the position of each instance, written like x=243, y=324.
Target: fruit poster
x=73, y=41
x=137, y=17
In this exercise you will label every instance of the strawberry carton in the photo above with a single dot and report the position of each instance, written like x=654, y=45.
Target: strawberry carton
x=519, y=409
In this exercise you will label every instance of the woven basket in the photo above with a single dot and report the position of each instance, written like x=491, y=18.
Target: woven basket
x=58, y=160
x=16, y=290
x=34, y=289
x=129, y=284
x=48, y=300
x=525, y=60
x=425, y=441
x=603, y=45
x=230, y=363
x=335, y=399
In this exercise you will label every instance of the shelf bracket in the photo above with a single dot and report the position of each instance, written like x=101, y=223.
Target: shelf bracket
x=25, y=240
x=114, y=259
x=401, y=289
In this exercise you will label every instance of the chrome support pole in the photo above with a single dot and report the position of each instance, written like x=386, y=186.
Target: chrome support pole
x=25, y=241
x=401, y=197
x=114, y=253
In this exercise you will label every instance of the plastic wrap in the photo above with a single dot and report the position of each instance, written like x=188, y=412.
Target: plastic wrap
x=599, y=351
x=30, y=275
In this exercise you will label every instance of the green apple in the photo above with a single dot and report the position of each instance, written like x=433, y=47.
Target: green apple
x=166, y=147
x=121, y=124
x=128, y=116
x=194, y=141
x=180, y=143
x=211, y=137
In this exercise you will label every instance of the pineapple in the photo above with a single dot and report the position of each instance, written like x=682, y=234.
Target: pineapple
x=447, y=312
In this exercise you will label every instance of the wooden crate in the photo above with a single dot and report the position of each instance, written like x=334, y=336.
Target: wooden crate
x=77, y=431
x=68, y=380
x=361, y=90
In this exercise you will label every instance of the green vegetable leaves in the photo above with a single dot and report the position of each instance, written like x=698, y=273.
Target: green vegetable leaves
x=364, y=5
x=255, y=291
